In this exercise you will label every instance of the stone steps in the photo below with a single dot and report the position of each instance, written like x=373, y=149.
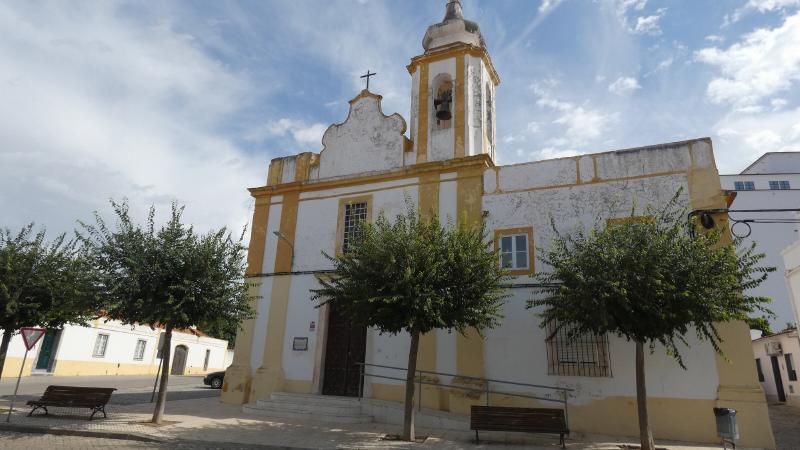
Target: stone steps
x=317, y=408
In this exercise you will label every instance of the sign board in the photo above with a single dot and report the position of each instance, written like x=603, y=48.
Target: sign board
x=300, y=344
x=30, y=336
x=161, y=338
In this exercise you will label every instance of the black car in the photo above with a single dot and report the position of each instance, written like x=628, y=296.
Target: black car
x=214, y=379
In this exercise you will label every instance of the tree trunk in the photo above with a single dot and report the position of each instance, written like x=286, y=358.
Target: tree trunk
x=408, y=417
x=645, y=434
x=161, y=400
x=4, y=348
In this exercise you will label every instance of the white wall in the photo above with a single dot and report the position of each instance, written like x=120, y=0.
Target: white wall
x=790, y=344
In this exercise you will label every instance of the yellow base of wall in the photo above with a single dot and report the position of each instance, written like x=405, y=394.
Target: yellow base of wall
x=690, y=420
x=12, y=364
x=88, y=368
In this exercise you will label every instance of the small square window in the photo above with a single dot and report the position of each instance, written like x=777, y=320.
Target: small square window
x=744, y=185
x=779, y=185
x=790, y=367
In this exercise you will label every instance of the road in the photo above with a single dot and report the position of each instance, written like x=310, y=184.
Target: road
x=130, y=389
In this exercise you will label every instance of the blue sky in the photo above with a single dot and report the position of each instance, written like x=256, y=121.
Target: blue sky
x=156, y=101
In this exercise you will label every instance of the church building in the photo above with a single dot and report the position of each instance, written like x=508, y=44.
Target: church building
x=442, y=159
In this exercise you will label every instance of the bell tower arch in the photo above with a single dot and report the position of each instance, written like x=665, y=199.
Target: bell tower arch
x=452, y=93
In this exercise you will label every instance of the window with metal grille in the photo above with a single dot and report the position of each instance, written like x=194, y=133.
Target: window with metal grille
x=138, y=352
x=100, y=345
x=585, y=355
x=779, y=185
x=744, y=185
x=759, y=370
x=354, y=213
x=790, y=367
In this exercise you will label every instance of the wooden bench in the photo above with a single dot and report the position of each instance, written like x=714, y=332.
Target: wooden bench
x=530, y=420
x=73, y=397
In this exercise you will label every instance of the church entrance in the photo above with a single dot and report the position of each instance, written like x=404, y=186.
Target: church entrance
x=347, y=345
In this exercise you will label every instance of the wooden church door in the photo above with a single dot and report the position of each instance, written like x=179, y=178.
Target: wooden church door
x=346, y=346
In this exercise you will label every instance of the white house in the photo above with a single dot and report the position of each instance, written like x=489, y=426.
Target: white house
x=110, y=348
x=776, y=363
x=445, y=166
x=771, y=182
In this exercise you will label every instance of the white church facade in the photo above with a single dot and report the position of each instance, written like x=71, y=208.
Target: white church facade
x=445, y=166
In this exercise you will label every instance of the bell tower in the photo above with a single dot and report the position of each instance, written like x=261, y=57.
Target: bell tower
x=453, y=91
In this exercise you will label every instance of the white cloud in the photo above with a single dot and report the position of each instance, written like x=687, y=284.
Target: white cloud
x=764, y=63
x=744, y=137
x=778, y=103
x=94, y=105
x=548, y=5
x=762, y=6
x=624, y=85
x=715, y=38
x=649, y=24
x=309, y=135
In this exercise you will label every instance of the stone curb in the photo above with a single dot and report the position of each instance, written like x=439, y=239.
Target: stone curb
x=99, y=434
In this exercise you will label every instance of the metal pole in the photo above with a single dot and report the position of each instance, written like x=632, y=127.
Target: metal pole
x=487, y=392
x=16, y=388
x=361, y=382
x=158, y=372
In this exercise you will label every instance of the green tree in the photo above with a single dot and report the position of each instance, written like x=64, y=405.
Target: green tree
x=415, y=276
x=42, y=284
x=168, y=276
x=650, y=281
x=759, y=323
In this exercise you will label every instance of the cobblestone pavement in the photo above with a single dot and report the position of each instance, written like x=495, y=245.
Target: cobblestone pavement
x=786, y=426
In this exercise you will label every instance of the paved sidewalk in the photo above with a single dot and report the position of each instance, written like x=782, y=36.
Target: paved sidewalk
x=207, y=422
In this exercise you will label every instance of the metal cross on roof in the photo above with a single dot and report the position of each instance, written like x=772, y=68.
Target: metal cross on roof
x=367, y=75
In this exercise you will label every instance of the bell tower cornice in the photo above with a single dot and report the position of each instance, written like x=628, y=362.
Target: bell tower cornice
x=454, y=50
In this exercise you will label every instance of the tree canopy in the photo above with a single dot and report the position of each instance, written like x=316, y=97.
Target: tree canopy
x=43, y=284
x=168, y=276
x=649, y=280
x=415, y=275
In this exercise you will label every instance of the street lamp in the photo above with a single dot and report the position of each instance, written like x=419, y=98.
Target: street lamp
x=283, y=237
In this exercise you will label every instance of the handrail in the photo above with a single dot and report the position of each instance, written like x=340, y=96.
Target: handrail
x=564, y=392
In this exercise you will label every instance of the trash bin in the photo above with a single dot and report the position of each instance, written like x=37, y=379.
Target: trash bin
x=726, y=425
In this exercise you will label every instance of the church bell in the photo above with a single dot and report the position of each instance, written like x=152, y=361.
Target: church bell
x=442, y=105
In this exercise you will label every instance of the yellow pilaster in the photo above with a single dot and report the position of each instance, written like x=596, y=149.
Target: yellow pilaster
x=269, y=377
x=738, y=383
x=426, y=358
x=422, y=121
x=469, y=347
x=238, y=377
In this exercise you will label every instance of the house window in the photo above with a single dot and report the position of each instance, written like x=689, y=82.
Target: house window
x=744, y=185
x=138, y=352
x=778, y=185
x=354, y=213
x=515, y=250
x=790, y=367
x=759, y=370
x=100, y=345
x=205, y=361
x=585, y=355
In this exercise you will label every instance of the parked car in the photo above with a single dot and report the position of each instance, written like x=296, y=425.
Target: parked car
x=214, y=379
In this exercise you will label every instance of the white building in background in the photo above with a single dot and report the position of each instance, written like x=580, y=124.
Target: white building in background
x=110, y=348
x=771, y=182
x=311, y=202
x=776, y=363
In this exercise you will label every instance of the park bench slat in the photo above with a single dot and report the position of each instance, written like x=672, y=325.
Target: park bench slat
x=93, y=398
x=531, y=420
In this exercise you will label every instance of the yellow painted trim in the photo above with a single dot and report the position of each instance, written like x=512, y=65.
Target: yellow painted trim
x=498, y=233
x=453, y=51
x=275, y=173
x=428, y=208
x=288, y=225
x=340, y=216
x=297, y=386
x=593, y=181
x=448, y=165
x=460, y=100
x=469, y=205
x=422, y=116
